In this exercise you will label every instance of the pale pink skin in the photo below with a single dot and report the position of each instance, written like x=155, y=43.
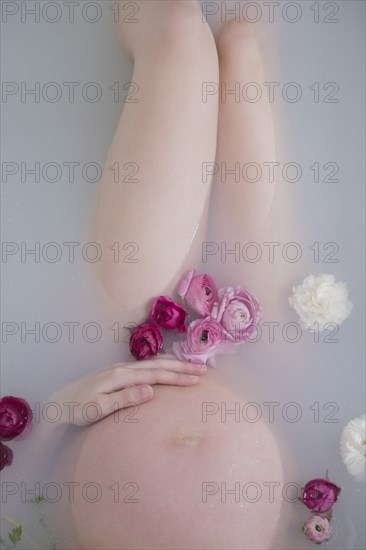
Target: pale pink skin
x=167, y=454
x=195, y=291
x=238, y=311
x=154, y=452
x=317, y=529
x=169, y=146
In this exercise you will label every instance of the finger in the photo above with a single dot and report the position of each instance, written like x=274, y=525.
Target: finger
x=128, y=397
x=170, y=364
x=163, y=357
x=122, y=378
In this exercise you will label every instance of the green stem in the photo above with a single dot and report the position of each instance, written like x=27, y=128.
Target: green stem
x=12, y=521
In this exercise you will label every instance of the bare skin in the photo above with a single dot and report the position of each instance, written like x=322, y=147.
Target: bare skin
x=166, y=134
x=172, y=72
x=164, y=469
x=121, y=385
x=245, y=135
x=170, y=452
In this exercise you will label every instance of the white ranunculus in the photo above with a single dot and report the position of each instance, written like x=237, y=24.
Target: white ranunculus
x=353, y=447
x=320, y=299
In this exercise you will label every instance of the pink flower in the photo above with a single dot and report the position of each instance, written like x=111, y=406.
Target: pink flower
x=15, y=417
x=199, y=291
x=317, y=529
x=168, y=315
x=238, y=311
x=6, y=456
x=320, y=494
x=145, y=341
x=205, y=338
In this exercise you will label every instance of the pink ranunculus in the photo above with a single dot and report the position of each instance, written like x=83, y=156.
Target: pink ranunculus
x=199, y=292
x=145, y=341
x=320, y=494
x=205, y=338
x=239, y=313
x=317, y=529
x=168, y=315
x=15, y=417
x=6, y=456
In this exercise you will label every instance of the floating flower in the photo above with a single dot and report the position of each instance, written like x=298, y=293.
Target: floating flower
x=15, y=417
x=6, y=456
x=317, y=529
x=353, y=447
x=145, y=341
x=319, y=299
x=199, y=291
x=320, y=494
x=168, y=315
x=227, y=316
x=239, y=313
x=205, y=338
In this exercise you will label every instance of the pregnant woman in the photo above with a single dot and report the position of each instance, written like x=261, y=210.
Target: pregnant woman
x=179, y=470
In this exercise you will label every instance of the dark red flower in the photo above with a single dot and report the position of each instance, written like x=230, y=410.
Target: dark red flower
x=168, y=315
x=320, y=494
x=6, y=456
x=15, y=416
x=145, y=341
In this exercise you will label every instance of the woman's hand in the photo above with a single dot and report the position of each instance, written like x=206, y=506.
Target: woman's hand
x=97, y=395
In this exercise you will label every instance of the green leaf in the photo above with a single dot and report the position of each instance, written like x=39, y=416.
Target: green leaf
x=39, y=500
x=15, y=534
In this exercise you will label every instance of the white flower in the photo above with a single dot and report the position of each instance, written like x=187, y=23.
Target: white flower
x=319, y=299
x=353, y=447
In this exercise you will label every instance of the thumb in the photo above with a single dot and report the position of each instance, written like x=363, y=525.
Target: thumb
x=134, y=395
x=128, y=397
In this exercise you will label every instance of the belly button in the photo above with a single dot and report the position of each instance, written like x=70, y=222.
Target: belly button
x=188, y=438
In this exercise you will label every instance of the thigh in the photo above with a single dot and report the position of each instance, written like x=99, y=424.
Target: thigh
x=165, y=136
x=246, y=135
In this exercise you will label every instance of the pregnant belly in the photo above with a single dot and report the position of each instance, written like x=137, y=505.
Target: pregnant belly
x=179, y=472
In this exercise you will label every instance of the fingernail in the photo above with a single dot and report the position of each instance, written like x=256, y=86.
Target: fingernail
x=201, y=368
x=145, y=391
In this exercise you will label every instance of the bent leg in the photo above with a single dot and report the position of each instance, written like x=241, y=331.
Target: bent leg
x=251, y=219
x=246, y=134
x=166, y=135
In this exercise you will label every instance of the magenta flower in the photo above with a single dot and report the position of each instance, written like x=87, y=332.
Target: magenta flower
x=205, y=338
x=6, y=456
x=168, y=315
x=320, y=494
x=238, y=311
x=145, y=341
x=15, y=417
x=317, y=529
x=199, y=291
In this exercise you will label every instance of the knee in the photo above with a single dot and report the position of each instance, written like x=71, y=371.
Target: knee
x=183, y=18
x=237, y=38
x=184, y=31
